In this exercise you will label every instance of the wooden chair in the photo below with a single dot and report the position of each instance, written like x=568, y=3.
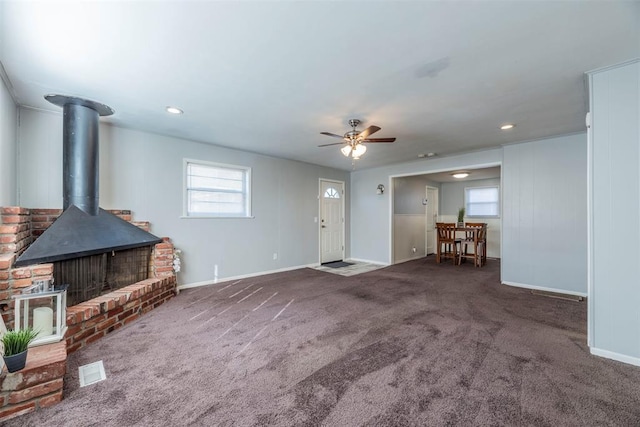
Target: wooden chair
x=447, y=240
x=478, y=239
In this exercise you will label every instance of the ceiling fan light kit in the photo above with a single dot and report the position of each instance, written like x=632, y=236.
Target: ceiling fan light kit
x=355, y=151
x=355, y=139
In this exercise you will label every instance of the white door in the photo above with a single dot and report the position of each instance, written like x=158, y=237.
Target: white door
x=331, y=221
x=431, y=219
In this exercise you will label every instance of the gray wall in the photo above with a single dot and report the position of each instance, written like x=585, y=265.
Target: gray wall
x=544, y=218
x=409, y=220
x=371, y=232
x=408, y=193
x=452, y=193
x=8, y=126
x=143, y=172
x=615, y=181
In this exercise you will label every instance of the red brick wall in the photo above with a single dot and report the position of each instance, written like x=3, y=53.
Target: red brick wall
x=15, y=230
x=41, y=219
x=13, y=280
x=162, y=259
x=38, y=385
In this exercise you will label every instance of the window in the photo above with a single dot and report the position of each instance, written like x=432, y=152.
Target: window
x=331, y=193
x=217, y=190
x=482, y=201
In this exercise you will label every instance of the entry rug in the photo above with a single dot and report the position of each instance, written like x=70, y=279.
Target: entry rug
x=350, y=270
x=337, y=264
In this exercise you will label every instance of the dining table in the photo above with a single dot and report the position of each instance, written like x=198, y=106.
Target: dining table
x=467, y=229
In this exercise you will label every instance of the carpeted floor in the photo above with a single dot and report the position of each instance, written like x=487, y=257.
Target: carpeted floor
x=416, y=344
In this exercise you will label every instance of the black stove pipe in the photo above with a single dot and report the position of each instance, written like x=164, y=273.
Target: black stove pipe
x=80, y=152
x=80, y=158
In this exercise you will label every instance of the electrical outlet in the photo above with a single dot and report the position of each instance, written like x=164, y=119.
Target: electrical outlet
x=275, y=255
x=414, y=250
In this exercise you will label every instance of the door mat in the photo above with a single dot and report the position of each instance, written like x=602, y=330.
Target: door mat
x=350, y=268
x=337, y=264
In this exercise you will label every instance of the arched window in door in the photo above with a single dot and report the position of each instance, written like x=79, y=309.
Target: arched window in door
x=331, y=193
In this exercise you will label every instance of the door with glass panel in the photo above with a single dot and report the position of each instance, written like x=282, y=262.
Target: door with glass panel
x=331, y=221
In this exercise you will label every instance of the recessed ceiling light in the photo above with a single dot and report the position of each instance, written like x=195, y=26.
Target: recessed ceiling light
x=507, y=126
x=174, y=110
x=460, y=175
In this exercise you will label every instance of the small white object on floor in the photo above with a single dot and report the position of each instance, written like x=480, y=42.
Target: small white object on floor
x=91, y=373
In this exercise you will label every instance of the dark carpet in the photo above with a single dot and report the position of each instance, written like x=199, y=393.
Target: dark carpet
x=416, y=344
x=337, y=264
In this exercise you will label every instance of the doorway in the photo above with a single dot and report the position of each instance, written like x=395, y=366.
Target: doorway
x=331, y=221
x=419, y=201
x=431, y=219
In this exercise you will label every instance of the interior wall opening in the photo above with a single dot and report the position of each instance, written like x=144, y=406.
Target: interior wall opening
x=419, y=201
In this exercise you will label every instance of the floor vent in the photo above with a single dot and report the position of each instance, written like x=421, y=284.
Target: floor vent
x=575, y=298
x=91, y=373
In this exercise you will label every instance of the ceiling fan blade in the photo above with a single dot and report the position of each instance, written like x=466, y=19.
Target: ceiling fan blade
x=335, y=143
x=379, y=140
x=368, y=131
x=333, y=135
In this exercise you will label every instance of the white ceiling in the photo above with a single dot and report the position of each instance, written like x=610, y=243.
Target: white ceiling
x=268, y=77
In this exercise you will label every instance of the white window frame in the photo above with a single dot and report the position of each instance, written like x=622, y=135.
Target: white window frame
x=185, y=204
x=466, y=202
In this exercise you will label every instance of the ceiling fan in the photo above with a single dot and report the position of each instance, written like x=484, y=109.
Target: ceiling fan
x=354, y=139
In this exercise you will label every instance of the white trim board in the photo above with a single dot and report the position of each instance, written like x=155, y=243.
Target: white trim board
x=545, y=288
x=242, y=276
x=615, y=356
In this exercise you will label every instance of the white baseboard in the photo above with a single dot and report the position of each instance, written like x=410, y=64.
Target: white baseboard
x=615, y=356
x=367, y=261
x=400, y=261
x=242, y=276
x=544, y=288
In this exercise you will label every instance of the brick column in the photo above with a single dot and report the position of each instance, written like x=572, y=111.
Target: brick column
x=162, y=259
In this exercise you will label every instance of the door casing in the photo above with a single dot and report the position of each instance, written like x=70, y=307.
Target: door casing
x=340, y=186
x=431, y=217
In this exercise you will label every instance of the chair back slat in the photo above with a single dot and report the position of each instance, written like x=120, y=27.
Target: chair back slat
x=471, y=235
x=446, y=231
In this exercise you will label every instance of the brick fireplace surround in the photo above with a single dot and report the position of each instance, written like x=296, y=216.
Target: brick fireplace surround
x=40, y=383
